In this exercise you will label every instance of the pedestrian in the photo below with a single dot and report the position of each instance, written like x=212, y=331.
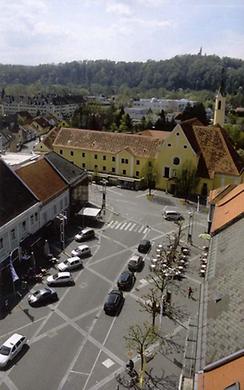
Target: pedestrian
x=190, y=291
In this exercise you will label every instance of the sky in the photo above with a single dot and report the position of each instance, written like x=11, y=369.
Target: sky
x=53, y=31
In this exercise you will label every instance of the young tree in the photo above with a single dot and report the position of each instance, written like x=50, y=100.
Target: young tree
x=150, y=174
x=151, y=304
x=139, y=339
x=186, y=180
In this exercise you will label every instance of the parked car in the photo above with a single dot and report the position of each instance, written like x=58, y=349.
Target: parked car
x=135, y=263
x=70, y=264
x=171, y=215
x=85, y=234
x=81, y=251
x=144, y=246
x=126, y=280
x=42, y=296
x=60, y=279
x=10, y=348
x=114, y=302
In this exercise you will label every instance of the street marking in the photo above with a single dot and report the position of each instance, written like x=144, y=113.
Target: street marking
x=144, y=231
x=123, y=225
x=141, y=229
x=80, y=372
x=119, y=224
x=108, y=363
x=132, y=227
x=127, y=227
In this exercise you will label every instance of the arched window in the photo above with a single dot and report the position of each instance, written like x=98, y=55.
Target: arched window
x=176, y=161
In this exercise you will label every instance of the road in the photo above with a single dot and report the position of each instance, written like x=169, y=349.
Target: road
x=72, y=343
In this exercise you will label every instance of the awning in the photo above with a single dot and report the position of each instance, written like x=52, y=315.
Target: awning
x=89, y=212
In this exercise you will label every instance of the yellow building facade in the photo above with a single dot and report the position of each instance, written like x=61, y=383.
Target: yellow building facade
x=118, y=156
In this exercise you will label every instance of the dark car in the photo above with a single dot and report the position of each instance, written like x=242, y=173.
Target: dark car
x=135, y=263
x=42, y=296
x=85, y=234
x=126, y=280
x=114, y=302
x=144, y=246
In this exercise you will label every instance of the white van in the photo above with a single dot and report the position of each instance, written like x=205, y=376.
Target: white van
x=171, y=215
x=11, y=348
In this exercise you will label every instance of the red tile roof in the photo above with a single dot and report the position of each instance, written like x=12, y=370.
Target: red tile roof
x=42, y=180
x=102, y=141
x=228, y=209
x=214, y=148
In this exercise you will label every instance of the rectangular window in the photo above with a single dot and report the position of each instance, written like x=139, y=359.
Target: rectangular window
x=113, y=169
x=83, y=154
x=149, y=163
x=95, y=166
x=122, y=160
x=104, y=158
x=32, y=219
x=71, y=153
x=166, y=172
x=36, y=217
x=83, y=165
x=113, y=158
x=126, y=160
x=1, y=243
x=61, y=151
x=95, y=156
x=45, y=217
x=104, y=168
x=13, y=235
x=137, y=162
x=65, y=201
x=124, y=171
x=24, y=225
x=137, y=173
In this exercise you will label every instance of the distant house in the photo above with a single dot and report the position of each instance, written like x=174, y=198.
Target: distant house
x=46, y=142
x=41, y=125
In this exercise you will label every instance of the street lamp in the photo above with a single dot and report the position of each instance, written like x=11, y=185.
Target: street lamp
x=190, y=227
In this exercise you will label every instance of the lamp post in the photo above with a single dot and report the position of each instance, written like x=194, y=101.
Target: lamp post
x=104, y=196
x=190, y=228
x=198, y=203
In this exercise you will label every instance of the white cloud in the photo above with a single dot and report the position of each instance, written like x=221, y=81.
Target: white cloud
x=118, y=8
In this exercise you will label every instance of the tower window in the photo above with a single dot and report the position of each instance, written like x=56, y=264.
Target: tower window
x=176, y=161
x=219, y=105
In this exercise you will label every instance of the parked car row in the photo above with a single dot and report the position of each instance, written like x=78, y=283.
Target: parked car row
x=63, y=277
x=126, y=280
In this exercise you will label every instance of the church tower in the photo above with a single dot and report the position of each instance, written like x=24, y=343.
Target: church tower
x=219, y=110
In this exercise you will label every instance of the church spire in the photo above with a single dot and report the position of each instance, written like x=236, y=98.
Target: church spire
x=223, y=82
x=219, y=111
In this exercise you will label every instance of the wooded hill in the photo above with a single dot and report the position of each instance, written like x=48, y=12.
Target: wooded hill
x=194, y=72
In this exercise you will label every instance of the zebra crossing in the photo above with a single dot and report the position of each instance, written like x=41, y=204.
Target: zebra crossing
x=127, y=226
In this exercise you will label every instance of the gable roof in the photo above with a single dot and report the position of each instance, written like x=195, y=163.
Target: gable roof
x=42, y=179
x=214, y=148
x=68, y=171
x=102, y=141
x=49, y=139
x=15, y=198
x=229, y=208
